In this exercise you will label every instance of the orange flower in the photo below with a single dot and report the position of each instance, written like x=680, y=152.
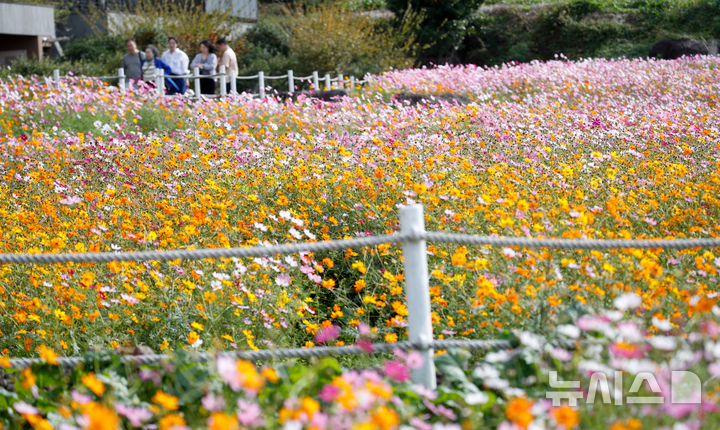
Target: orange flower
x=222, y=421
x=270, y=374
x=171, y=421
x=94, y=384
x=459, y=256
x=518, y=411
x=165, y=400
x=630, y=424
x=566, y=416
x=385, y=418
x=99, y=417
x=28, y=378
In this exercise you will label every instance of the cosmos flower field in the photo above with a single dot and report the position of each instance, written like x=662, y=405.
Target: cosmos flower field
x=601, y=149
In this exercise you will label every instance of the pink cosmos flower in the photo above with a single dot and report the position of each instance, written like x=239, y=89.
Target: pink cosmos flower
x=213, y=403
x=397, y=371
x=249, y=414
x=24, y=408
x=414, y=360
x=628, y=350
x=136, y=416
x=324, y=335
x=71, y=200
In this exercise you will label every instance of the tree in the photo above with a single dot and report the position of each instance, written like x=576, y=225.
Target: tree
x=443, y=28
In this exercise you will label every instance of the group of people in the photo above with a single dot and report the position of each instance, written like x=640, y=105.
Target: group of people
x=144, y=66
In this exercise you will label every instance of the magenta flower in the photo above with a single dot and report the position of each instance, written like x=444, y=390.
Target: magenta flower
x=366, y=345
x=328, y=393
x=324, y=335
x=397, y=371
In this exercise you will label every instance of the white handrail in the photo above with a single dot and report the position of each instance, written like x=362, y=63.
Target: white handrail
x=195, y=76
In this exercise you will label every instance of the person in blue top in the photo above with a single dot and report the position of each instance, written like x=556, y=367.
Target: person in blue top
x=152, y=64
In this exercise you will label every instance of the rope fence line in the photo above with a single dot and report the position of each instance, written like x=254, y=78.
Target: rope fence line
x=224, y=78
x=292, y=248
x=413, y=238
x=285, y=353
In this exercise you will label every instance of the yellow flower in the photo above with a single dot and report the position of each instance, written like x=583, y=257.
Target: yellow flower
x=165, y=400
x=360, y=266
x=197, y=326
x=47, y=354
x=4, y=362
x=94, y=384
x=310, y=406
x=391, y=337
x=87, y=279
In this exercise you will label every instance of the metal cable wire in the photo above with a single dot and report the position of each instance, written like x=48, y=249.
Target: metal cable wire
x=277, y=77
x=285, y=353
x=247, y=77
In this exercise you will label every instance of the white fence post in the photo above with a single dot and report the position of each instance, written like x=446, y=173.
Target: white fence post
x=261, y=84
x=196, y=82
x=352, y=83
x=56, y=77
x=418, y=292
x=316, y=81
x=223, y=82
x=160, y=82
x=121, y=80
x=328, y=82
x=233, y=83
x=341, y=81
x=291, y=82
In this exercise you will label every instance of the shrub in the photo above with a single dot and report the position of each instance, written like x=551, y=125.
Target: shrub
x=152, y=21
x=28, y=67
x=326, y=37
x=94, y=48
x=329, y=38
x=444, y=25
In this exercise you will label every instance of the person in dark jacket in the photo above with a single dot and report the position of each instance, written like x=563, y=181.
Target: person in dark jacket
x=152, y=64
x=206, y=61
x=132, y=61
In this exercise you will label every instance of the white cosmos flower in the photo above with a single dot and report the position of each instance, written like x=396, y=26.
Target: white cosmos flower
x=627, y=301
x=568, y=330
x=663, y=343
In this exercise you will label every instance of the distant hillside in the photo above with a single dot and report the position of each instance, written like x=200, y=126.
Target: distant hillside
x=523, y=30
